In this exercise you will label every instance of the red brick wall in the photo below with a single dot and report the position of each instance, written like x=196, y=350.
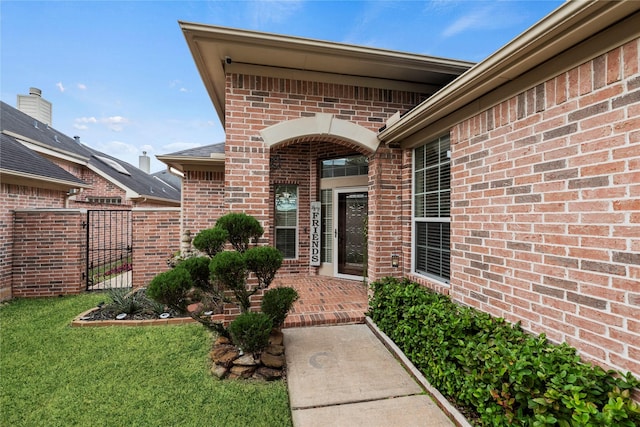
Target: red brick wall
x=48, y=252
x=386, y=213
x=100, y=187
x=156, y=237
x=202, y=200
x=254, y=103
x=18, y=197
x=546, y=209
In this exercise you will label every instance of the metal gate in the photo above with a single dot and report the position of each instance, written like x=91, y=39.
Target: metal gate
x=109, y=249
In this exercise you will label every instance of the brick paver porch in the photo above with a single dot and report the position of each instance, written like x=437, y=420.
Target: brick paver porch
x=325, y=300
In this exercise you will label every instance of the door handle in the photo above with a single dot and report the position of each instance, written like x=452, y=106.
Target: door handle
x=335, y=233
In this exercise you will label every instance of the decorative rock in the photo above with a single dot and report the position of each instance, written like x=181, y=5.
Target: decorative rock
x=224, y=354
x=274, y=349
x=246, y=360
x=222, y=340
x=268, y=374
x=242, y=371
x=272, y=361
x=219, y=371
x=276, y=337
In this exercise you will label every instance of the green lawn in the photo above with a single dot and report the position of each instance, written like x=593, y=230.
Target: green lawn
x=55, y=375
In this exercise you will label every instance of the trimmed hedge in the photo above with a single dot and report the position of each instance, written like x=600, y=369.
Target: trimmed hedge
x=495, y=369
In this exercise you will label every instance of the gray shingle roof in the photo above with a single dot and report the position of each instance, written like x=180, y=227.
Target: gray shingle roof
x=204, y=151
x=169, y=178
x=15, y=157
x=19, y=123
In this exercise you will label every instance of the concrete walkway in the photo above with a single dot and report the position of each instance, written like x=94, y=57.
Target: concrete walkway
x=344, y=376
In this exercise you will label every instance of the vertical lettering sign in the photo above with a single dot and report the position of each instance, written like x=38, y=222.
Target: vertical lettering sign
x=314, y=258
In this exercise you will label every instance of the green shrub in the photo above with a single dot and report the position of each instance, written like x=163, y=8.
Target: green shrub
x=171, y=287
x=277, y=302
x=250, y=331
x=505, y=375
x=241, y=229
x=198, y=268
x=211, y=240
x=264, y=262
x=125, y=300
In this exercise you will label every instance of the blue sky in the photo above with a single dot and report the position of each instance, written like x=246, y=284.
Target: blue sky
x=120, y=76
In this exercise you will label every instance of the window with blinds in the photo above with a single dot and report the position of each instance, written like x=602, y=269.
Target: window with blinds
x=431, y=207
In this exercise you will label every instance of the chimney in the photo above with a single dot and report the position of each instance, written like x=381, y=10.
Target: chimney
x=77, y=138
x=36, y=106
x=145, y=162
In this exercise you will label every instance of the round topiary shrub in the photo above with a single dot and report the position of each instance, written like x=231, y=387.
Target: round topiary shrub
x=264, y=261
x=250, y=331
x=198, y=268
x=241, y=228
x=276, y=304
x=171, y=287
x=230, y=268
x=211, y=240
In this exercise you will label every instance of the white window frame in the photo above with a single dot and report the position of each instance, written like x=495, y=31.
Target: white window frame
x=415, y=220
x=287, y=227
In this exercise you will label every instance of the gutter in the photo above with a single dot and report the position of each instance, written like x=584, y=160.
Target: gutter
x=570, y=24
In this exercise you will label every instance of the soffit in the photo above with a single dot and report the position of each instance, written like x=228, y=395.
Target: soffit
x=217, y=49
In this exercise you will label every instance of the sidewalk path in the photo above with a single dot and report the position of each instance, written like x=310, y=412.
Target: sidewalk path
x=344, y=376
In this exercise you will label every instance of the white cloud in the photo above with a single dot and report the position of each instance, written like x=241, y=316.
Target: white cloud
x=114, y=123
x=60, y=86
x=82, y=86
x=86, y=120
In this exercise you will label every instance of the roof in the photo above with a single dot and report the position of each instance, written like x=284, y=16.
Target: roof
x=17, y=162
x=500, y=76
x=220, y=50
x=41, y=138
x=211, y=156
x=136, y=182
x=168, y=178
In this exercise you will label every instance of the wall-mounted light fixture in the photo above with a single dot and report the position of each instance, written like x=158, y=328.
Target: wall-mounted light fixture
x=395, y=261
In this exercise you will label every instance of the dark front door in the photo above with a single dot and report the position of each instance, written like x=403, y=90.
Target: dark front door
x=352, y=244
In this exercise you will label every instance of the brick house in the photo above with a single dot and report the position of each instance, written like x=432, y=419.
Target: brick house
x=44, y=174
x=513, y=185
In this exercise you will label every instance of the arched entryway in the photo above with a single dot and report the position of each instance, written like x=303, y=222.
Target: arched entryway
x=319, y=185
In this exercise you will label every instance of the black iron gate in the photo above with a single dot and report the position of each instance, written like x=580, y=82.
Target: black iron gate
x=109, y=249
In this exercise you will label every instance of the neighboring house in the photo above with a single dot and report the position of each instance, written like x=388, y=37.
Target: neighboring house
x=109, y=181
x=513, y=186
x=41, y=168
